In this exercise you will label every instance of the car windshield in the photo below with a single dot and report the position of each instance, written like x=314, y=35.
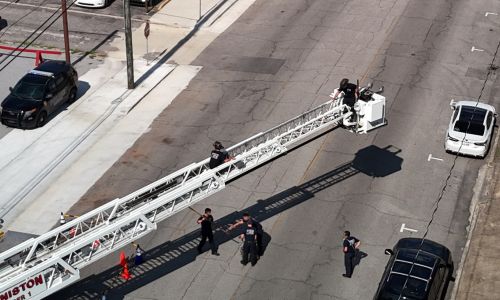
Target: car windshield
x=471, y=120
x=30, y=87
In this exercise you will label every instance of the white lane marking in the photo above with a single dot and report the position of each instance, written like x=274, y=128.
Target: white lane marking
x=403, y=228
x=432, y=157
x=475, y=49
x=70, y=11
x=490, y=13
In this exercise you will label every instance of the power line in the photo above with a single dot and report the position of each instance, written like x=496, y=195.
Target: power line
x=441, y=194
x=6, y=5
x=36, y=37
x=443, y=189
x=19, y=19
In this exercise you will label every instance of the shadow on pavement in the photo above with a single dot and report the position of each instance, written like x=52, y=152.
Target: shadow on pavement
x=83, y=87
x=358, y=257
x=180, y=43
x=3, y=23
x=172, y=255
x=93, y=50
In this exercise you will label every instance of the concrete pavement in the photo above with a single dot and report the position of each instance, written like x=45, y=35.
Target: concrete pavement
x=479, y=276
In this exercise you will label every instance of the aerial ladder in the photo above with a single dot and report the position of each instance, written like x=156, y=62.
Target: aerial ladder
x=43, y=265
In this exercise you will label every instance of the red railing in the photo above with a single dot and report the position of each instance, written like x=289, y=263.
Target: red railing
x=38, y=52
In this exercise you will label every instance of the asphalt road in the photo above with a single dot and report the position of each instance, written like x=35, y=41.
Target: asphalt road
x=420, y=50
x=89, y=29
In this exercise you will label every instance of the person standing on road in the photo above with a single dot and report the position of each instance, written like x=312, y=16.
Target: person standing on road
x=259, y=230
x=138, y=252
x=206, y=220
x=249, y=238
x=349, y=247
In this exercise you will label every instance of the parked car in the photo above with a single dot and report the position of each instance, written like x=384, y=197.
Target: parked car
x=38, y=94
x=471, y=128
x=416, y=271
x=93, y=3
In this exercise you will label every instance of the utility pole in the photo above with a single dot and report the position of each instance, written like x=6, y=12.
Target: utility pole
x=64, y=7
x=128, y=44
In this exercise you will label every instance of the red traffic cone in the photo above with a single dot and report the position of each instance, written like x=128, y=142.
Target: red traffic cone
x=123, y=262
x=125, y=273
x=123, y=259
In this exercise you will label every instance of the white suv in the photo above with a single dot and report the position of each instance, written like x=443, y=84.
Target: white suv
x=471, y=128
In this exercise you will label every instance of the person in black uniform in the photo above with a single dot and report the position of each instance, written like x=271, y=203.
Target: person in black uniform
x=349, y=247
x=206, y=220
x=259, y=230
x=218, y=156
x=350, y=90
x=249, y=237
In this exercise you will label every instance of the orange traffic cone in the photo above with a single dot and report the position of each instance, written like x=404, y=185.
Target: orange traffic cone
x=123, y=262
x=123, y=259
x=125, y=273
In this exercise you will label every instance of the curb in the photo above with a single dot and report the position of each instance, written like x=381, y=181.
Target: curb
x=478, y=189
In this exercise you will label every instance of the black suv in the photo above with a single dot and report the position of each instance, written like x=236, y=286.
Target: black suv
x=38, y=94
x=416, y=271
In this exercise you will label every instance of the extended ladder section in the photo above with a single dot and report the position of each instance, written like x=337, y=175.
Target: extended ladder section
x=40, y=266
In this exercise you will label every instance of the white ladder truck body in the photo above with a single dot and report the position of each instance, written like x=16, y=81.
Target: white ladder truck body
x=43, y=265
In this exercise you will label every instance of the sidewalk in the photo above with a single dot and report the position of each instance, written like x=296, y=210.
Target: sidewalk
x=63, y=159
x=479, y=277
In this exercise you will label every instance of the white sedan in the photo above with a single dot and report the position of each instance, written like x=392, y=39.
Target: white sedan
x=93, y=3
x=471, y=128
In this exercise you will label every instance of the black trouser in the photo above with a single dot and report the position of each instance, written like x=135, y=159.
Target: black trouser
x=249, y=249
x=349, y=262
x=350, y=102
x=210, y=237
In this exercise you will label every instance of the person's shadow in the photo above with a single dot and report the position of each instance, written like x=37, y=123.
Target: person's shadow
x=358, y=257
x=3, y=23
x=266, y=239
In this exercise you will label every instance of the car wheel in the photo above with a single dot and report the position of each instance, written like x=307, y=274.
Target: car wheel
x=72, y=95
x=41, y=119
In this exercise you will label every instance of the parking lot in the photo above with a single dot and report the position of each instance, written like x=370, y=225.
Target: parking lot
x=89, y=29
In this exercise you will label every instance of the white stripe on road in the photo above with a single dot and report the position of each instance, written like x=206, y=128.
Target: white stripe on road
x=432, y=157
x=403, y=228
x=71, y=11
x=476, y=49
